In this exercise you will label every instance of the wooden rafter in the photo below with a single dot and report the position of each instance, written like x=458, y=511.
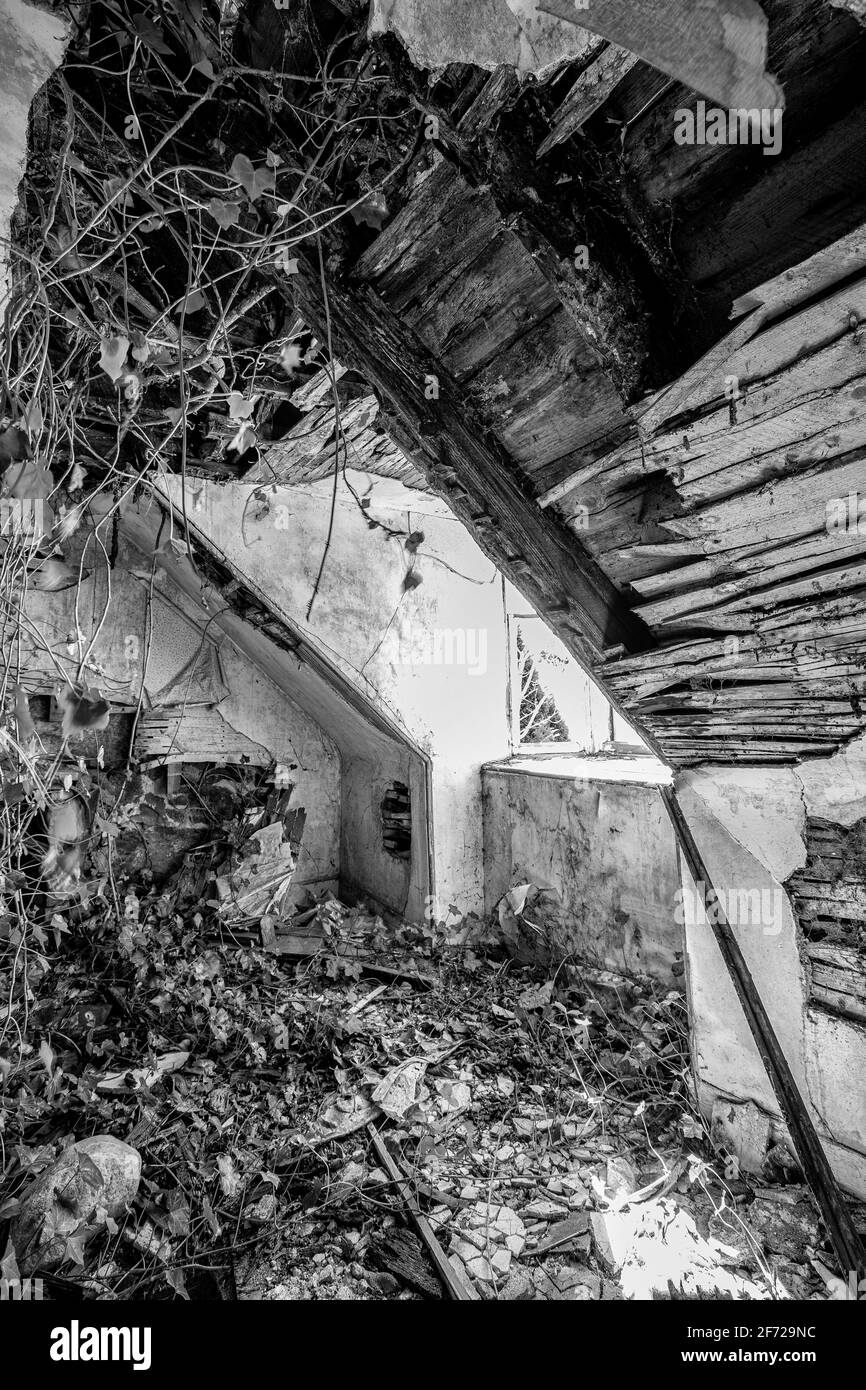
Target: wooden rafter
x=434, y=424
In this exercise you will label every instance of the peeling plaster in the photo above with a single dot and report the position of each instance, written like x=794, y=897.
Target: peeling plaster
x=761, y=808
x=750, y=825
x=835, y=788
x=717, y=47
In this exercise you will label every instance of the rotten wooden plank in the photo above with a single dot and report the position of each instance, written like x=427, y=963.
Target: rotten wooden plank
x=445, y=440
x=590, y=91
x=807, y=279
x=458, y=1289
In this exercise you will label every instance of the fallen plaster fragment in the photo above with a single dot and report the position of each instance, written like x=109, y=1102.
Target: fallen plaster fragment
x=717, y=47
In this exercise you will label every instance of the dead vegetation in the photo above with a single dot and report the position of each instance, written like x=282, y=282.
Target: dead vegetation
x=328, y=1114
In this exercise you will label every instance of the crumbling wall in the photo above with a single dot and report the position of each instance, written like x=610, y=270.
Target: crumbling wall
x=750, y=825
x=604, y=857
x=172, y=675
x=417, y=627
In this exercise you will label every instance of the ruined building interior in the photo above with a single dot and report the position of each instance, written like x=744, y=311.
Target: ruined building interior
x=433, y=752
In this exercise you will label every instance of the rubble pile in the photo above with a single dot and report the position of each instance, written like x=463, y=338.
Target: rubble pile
x=362, y=1111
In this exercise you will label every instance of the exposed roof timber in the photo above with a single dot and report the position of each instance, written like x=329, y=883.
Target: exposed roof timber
x=329, y=435
x=546, y=562
x=802, y=282
x=840, y=262
x=603, y=299
x=589, y=92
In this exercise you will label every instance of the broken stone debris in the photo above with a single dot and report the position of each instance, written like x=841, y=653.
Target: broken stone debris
x=92, y=1182
x=539, y=1179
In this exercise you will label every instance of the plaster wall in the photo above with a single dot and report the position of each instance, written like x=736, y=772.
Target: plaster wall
x=749, y=824
x=604, y=854
x=371, y=751
x=152, y=646
x=429, y=652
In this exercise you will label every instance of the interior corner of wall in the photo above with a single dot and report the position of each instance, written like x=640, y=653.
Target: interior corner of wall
x=761, y=808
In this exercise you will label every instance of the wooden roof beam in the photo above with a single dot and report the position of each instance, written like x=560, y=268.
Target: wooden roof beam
x=434, y=424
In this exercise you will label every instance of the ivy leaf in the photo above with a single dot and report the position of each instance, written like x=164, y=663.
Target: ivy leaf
x=176, y=1281
x=30, y=479
x=141, y=349
x=75, y=1247
x=253, y=181
x=83, y=709
x=231, y=1181
x=33, y=420
x=373, y=211
x=245, y=438
x=115, y=191
x=150, y=35
x=226, y=214
x=8, y=1266
x=112, y=356
x=243, y=173
x=52, y=576
x=13, y=445
x=290, y=358
x=239, y=408
x=286, y=263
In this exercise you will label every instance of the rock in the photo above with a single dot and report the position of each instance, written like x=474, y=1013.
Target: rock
x=507, y=1223
x=539, y=1210
x=564, y=1233
x=786, y=1227
x=613, y=1234
x=578, y=1293
x=501, y=1261
x=575, y=1189
x=480, y=1268
x=92, y=1179
x=263, y=1210
x=460, y=1272
x=464, y=1249
x=544, y=1286
x=622, y=1177
x=578, y=1276
x=383, y=1283
x=519, y=1289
